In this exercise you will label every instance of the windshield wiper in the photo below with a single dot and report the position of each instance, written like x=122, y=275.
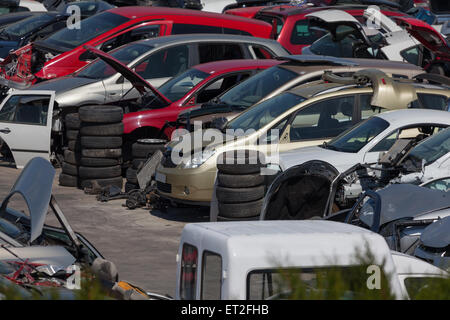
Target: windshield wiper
x=325, y=145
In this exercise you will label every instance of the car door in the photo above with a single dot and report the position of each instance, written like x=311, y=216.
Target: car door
x=318, y=122
x=26, y=123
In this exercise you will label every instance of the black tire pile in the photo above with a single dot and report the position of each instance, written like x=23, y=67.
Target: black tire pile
x=240, y=186
x=94, y=154
x=140, y=152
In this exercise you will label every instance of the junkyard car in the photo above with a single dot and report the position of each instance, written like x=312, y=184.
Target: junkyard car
x=304, y=116
x=155, y=60
x=297, y=70
x=244, y=260
x=8, y=6
x=293, y=30
x=348, y=158
x=64, y=52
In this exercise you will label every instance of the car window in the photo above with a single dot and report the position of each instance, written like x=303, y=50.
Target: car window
x=303, y=34
x=367, y=110
x=97, y=24
x=164, y=63
x=26, y=109
x=99, y=69
x=411, y=55
x=270, y=19
x=421, y=287
x=354, y=139
x=262, y=53
x=141, y=33
x=217, y=51
x=433, y=148
x=220, y=85
x=441, y=184
x=21, y=28
x=211, y=276
x=323, y=119
x=257, y=87
x=188, y=272
x=264, y=112
x=176, y=88
x=432, y=101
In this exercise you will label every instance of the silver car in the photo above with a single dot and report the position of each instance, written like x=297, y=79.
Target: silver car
x=156, y=60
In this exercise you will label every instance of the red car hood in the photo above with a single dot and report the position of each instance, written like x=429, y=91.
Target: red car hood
x=136, y=80
x=427, y=35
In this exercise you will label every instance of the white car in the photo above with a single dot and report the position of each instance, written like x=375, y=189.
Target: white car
x=243, y=260
x=20, y=5
x=364, y=142
x=381, y=38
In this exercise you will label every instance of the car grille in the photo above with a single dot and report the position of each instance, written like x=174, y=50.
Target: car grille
x=164, y=187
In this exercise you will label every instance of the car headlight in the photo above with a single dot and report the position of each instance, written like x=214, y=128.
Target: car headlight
x=197, y=159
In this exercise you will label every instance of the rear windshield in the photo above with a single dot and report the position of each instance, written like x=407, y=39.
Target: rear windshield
x=89, y=29
x=21, y=28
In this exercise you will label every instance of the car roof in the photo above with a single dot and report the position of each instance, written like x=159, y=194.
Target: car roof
x=134, y=12
x=280, y=228
x=328, y=63
x=213, y=37
x=311, y=89
x=225, y=65
x=404, y=262
x=287, y=11
x=404, y=117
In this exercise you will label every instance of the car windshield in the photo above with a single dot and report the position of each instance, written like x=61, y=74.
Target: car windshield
x=89, y=29
x=21, y=28
x=263, y=113
x=432, y=148
x=354, y=139
x=257, y=87
x=99, y=69
x=177, y=87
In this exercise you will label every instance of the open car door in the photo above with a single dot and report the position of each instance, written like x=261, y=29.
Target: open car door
x=26, y=124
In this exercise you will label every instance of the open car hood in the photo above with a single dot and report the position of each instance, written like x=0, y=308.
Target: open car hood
x=136, y=80
x=35, y=186
x=427, y=35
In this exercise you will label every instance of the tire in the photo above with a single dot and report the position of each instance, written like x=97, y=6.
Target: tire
x=130, y=186
x=241, y=210
x=137, y=162
x=101, y=114
x=99, y=162
x=237, y=163
x=71, y=157
x=239, y=195
x=99, y=172
x=72, y=134
x=141, y=149
x=88, y=183
x=74, y=145
x=67, y=180
x=132, y=176
x=72, y=121
x=102, y=153
x=113, y=129
x=96, y=142
x=70, y=169
x=239, y=180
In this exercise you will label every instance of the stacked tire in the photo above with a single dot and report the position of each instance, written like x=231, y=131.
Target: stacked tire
x=240, y=186
x=100, y=145
x=69, y=175
x=140, y=152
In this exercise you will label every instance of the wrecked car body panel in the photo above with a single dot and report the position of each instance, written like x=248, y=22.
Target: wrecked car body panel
x=26, y=123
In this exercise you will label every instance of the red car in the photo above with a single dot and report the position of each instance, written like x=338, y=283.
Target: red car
x=189, y=89
x=291, y=23
x=433, y=41
x=63, y=52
